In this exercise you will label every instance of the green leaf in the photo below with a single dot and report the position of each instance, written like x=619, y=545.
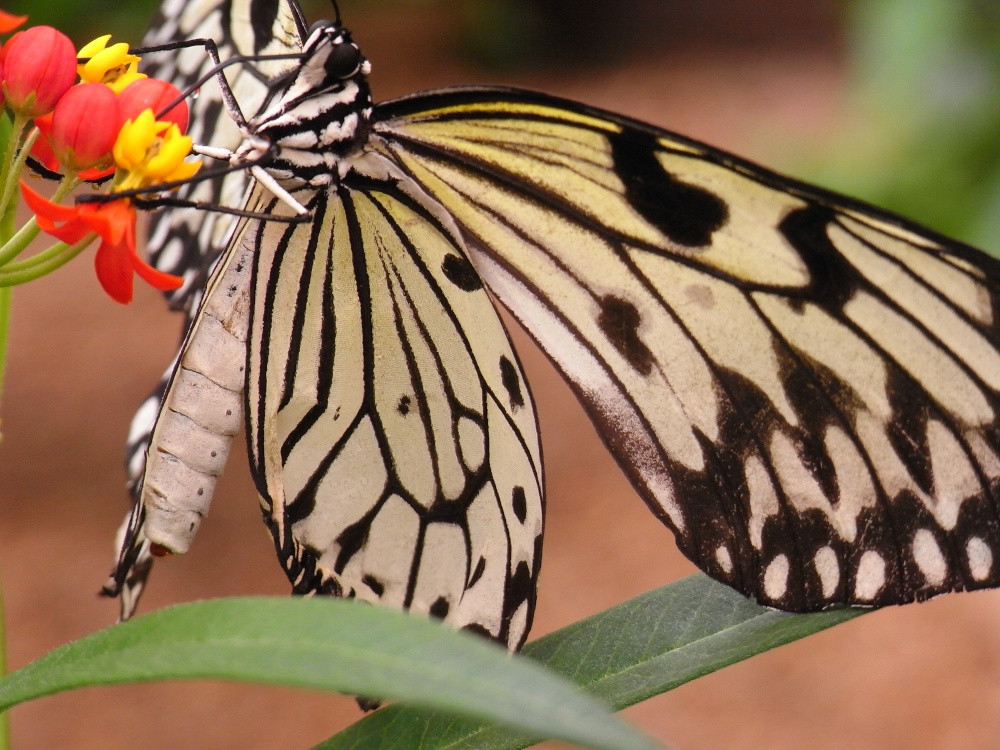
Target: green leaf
x=631, y=652
x=330, y=645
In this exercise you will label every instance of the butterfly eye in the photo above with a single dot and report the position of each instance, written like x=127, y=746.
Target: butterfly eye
x=343, y=61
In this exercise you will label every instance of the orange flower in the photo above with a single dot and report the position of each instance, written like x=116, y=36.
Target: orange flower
x=9, y=22
x=114, y=222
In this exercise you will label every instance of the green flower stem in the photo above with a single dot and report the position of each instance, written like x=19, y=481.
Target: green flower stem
x=19, y=242
x=42, y=263
x=13, y=160
x=23, y=237
x=69, y=181
x=11, y=179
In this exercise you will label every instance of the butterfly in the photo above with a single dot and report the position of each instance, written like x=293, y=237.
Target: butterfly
x=803, y=387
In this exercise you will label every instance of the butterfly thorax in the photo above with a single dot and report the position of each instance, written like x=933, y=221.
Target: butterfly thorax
x=317, y=117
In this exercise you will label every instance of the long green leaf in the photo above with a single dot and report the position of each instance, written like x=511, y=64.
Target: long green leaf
x=631, y=652
x=331, y=645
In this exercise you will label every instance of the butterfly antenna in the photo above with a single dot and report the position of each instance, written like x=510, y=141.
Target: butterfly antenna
x=336, y=12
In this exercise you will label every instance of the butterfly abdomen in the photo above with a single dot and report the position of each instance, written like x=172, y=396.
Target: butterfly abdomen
x=200, y=415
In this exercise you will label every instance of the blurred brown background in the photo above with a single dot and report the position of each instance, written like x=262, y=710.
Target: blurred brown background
x=768, y=80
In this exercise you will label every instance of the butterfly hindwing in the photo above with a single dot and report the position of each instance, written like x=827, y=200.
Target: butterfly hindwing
x=393, y=438
x=803, y=388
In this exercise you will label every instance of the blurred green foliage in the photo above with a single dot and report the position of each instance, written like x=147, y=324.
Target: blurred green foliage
x=924, y=135
x=86, y=19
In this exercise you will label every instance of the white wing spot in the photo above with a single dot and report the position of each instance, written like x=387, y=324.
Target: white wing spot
x=980, y=558
x=870, y=577
x=828, y=569
x=954, y=478
x=928, y=557
x=763, y=498
x=518, y=624
x=724, y=559
x=776, y=578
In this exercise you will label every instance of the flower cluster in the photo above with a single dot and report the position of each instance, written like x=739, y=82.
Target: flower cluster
x=85, y=115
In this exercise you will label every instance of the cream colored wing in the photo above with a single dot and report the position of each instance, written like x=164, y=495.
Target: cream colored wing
x=392, y=435
x=802, y=387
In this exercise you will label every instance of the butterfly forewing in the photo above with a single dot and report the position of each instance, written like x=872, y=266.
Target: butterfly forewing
x=803, y=388
x=184, y=241
x=392, y=434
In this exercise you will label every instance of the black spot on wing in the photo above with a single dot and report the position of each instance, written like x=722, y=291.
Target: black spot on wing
x=461, y=273
x=830, y=275
x=263, y=14
x=686, y=214
x=477, y=573
x=519, y=504
x=403, y=407
x=511, y=383
x=475, y=627
x=351, y=540
x=520, y=589
x=374, y=584
x=439, y=608
x=619, y=320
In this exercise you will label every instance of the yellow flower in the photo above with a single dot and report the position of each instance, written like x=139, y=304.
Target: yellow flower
x=112, y=65
x=152, y=152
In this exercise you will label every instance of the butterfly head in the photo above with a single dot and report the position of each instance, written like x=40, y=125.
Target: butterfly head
x=318, y=116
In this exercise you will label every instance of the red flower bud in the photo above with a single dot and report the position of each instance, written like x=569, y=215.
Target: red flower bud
x=39, y=68
x=85, y=124
x=7, y=44
x=42, y=151
x=150, y=93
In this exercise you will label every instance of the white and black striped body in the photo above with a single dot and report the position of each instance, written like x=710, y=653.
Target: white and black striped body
x=319, y=119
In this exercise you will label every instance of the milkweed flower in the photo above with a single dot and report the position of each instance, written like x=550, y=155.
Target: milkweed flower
x=85, y=126
x=116, y=260
x=153, y=94
x=114, y=66
x=152, y=152
x=147, y=153
x=38, y=68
